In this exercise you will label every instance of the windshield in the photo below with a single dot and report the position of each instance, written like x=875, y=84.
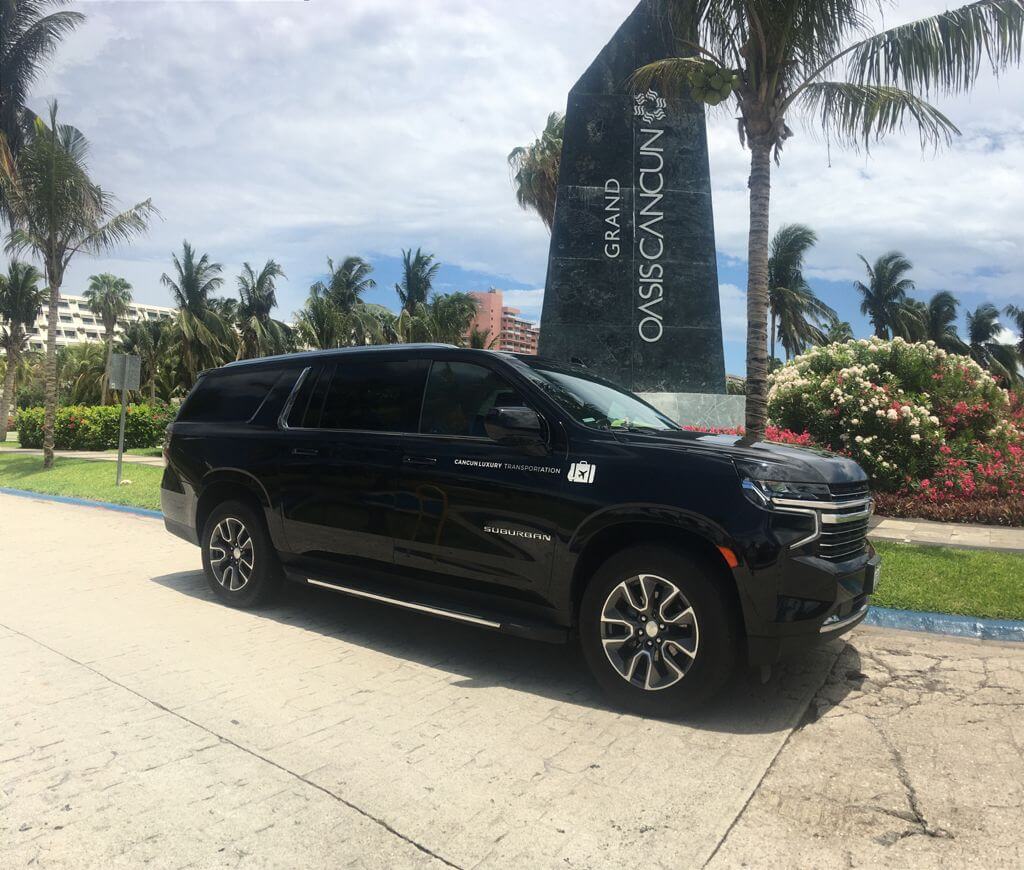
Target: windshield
x=595, y=402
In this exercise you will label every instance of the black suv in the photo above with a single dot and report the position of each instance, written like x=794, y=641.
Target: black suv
x=525, y=496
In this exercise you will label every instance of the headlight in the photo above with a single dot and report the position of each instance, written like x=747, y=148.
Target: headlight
x=760, y=492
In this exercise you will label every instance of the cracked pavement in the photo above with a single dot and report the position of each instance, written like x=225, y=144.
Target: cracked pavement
x=140, y=721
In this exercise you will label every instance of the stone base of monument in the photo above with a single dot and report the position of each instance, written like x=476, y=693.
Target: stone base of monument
x=707, y=410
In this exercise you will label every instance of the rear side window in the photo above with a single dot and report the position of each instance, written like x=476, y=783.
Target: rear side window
x=374, y=396
x=459, y=395
x=228, y=397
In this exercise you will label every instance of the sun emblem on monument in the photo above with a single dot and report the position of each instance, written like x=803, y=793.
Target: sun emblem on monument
x=649, y=106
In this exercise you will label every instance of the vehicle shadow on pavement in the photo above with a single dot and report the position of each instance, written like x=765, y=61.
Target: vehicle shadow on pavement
x=482, y=659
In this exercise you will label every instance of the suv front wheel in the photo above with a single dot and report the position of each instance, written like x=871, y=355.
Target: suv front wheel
x=657, y=630
x=238, y=558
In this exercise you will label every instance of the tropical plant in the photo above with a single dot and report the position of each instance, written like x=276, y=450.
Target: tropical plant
x=346, y=283
x=81, y=370
x=883, y=296
x=940, y=319
x=444, y=319
x=259, y=333
x=108, y=298
x=774, y=60
x=418, y=273
x=1016, y=314
x=200, y=336
x=797, y=314
x=983, y=329
x=912, y=321
x=838, y=331
x=481, y=339
x=535, y=168
x=146, y=339
x=21, y=300
x=30, y=31
x=56, y=211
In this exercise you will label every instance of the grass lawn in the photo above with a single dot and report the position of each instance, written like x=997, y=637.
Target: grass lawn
x=949, y=580
x=83, y=478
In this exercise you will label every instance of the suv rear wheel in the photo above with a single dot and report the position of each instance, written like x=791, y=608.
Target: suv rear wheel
x=657, y=630
x=238, y=558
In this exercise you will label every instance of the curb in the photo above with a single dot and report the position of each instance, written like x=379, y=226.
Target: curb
x=946, y=623
x=83, y=502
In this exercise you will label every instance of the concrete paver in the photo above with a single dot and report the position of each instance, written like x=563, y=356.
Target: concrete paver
x=948, y=534
x=326, y=731
x=91, y=455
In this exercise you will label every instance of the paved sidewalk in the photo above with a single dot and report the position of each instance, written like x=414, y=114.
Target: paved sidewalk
x=91, y=455
x=141, y=721
x=949, y=534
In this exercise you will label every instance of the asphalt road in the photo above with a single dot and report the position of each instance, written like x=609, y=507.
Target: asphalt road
x=141, y=721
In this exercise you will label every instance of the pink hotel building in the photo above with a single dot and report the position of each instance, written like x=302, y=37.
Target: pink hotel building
x=504, y=324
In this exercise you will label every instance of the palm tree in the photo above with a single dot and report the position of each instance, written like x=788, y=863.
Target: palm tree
x=55, y=212
x=838, y=331
x=775, y=60
x=81, y=369
x=445, y=319
x=418, y=273
x=347, y=283
x=797, y=314
x=108, y=297
x=259, y=333
x=29, y=35
x=883, y=296
x=941, y=321
x=21, y=300
x=983, y=329
x=202, y=338
x=912, y=321
x=481, y=339
x=1016, y=313
x=146, y=339
x=535, y=168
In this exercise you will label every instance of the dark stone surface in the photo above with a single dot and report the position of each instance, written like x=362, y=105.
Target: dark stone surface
x=592, y=299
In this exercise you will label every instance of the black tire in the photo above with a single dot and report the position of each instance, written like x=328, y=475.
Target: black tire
x=226, y=567
x=703, y=644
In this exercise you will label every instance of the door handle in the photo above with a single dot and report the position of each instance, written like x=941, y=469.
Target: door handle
x=305, y=451
x=419, y=460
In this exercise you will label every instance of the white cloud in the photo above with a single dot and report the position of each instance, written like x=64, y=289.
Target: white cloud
x=733, y=301
x=529, y=302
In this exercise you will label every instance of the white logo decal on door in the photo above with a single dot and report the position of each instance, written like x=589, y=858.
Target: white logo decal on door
x=582, y=472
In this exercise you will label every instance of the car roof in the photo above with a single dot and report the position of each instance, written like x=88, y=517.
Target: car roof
x=310, y=356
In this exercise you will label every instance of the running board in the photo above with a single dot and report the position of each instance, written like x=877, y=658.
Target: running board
x=492, y=621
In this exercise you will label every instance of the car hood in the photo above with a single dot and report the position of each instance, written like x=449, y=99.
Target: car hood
x=773, y=461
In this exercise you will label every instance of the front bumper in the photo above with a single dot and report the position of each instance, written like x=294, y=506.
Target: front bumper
x=817, y=602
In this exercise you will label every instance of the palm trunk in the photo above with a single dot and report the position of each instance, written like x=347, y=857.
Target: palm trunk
x=757, y=288
x=105, y=388
x=5, y=400
x=50, y=404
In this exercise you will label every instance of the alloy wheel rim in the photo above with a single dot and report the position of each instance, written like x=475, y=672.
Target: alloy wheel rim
x=231, y=554
x=649, y=632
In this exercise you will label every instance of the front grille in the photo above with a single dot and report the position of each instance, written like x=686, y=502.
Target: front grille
x=844, y=528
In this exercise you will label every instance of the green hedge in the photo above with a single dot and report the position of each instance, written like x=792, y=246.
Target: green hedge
x=95, y=427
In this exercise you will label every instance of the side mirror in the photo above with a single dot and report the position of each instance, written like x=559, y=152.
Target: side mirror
x=514, y=426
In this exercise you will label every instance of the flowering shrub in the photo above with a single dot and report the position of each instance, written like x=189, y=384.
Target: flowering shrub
x=96, y=427
x=771, y=433
x=897, y=408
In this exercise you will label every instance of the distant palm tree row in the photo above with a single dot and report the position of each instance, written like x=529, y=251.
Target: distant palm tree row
x=800, y=320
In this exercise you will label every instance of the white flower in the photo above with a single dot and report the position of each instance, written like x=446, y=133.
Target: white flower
x=891, y=414
x=859, y=439
x=855, y=422
x=933, y=420
x=915, y=437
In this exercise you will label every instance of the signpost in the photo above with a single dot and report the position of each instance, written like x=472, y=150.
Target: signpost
x=123, y=375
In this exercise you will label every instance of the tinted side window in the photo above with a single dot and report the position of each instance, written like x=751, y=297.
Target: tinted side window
x=459, y=395
x=305, y=411
x=228, y=397
x=376, y=396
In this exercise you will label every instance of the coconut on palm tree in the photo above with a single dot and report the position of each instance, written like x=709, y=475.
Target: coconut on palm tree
x=56, y=211
x=21, y=300
x=418, y=273
x=201, y=337
x=259, y=333
x=770, y=61
x=983, y=330
x=535, y=168
x=883, y=297
x=30, y=31
x=797, y=314
x=108, y=298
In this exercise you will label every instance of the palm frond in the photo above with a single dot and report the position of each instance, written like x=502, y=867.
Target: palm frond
x=858, y=114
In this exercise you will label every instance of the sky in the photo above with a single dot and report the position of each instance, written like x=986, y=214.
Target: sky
x=301, y=130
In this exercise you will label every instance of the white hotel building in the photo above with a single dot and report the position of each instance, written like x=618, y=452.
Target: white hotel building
x=77, y=323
